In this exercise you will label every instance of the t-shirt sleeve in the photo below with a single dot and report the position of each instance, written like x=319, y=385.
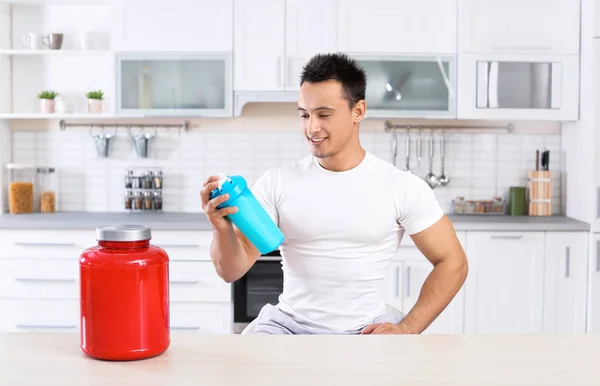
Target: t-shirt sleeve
x=264, y=190
x=418, y=208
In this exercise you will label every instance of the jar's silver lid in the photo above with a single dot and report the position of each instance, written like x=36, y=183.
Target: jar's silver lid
x=123, y=233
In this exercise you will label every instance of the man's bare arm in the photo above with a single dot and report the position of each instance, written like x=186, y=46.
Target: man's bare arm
x=232, y=254
x=442, y=248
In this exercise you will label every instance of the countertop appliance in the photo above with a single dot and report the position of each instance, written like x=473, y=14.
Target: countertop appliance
x=262, y=284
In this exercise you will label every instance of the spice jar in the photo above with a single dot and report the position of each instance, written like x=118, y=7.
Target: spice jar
x=21, y=179
x=158, y=179
x=48, y=186
x=128, y=200
x=124, y=295
x=129, y=179
x=148, y=179
x=147, y=200
x=138, y=200
x=157, y=201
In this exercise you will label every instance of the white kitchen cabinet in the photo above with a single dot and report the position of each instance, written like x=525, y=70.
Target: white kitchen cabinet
x=397, y=26
x=520, y=87
x=518, y=26
x=410, y=86
x=504, y=291
x=405, y=278
x=304, y=39
x=565, y=282
x=39, y=281
x=175, y=85
x=273, y=41
x=175, y=26
x=259, y=45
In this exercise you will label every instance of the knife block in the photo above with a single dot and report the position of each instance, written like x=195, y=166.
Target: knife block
x=540, y=192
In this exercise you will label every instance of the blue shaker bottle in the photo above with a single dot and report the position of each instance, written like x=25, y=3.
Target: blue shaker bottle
x=251, y=218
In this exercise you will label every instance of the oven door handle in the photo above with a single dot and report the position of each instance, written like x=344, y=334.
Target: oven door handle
x=269, y=258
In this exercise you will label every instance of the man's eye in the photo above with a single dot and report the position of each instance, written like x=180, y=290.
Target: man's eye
x=323, y=116
x=303, y=116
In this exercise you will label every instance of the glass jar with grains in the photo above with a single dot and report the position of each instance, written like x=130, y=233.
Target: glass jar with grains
x=21, y=179
x=48, y=187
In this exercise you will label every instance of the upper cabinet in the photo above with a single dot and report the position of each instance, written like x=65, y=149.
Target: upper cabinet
x=272, y=43
x=518, y=26
x=178, y=25
x=174, y=85
x=397, y=26
x=410, y=86
x=527, y=86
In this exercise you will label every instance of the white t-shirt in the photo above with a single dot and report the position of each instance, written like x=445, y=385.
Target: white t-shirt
x=341, y=230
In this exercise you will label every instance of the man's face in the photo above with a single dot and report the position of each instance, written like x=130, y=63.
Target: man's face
x=327, y=119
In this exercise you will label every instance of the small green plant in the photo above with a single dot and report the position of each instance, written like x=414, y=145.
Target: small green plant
x=95, y=95
x=47, y=95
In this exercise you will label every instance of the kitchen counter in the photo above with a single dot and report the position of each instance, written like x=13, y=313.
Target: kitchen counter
x=198, y=221
x=198, y=359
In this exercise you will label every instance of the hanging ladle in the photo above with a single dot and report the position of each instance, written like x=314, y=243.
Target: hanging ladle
x=431, y=178
x=443, y=179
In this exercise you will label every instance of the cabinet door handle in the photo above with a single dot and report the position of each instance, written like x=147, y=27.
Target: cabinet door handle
x=597, y=256
x=184, y=281
x=61, y=326
x=507, y=237
x=408, y=281
x=598, y=202
x=178, y=245
x=44, y=280
x=34, y=244
x=567, y=261
x=185, y=328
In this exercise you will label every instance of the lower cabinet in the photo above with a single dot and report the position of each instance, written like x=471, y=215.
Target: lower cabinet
x=39, y=282
x=518, y=282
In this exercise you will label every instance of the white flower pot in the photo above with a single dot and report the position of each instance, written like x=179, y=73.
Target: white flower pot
x=95, y=106
x=47, y=106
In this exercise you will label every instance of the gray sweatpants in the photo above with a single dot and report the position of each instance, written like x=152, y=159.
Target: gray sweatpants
x=272, y=321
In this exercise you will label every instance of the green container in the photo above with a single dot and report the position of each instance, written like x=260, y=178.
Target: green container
x=517, y=201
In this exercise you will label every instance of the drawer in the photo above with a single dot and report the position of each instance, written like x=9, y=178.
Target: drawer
x=39, y=315
x=184, y=246
x=207, y=318
x=34, y=278
x=196, y=281
x=45, y=244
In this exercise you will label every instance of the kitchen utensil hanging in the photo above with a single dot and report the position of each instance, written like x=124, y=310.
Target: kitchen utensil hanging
x=442, y=178
x=431, y=178
x=141, y=142
x=102, y=141
x=407, y=149
x=394, y=148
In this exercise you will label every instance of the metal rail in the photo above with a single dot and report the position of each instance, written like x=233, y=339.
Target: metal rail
x=390, y=127
x=185, y=125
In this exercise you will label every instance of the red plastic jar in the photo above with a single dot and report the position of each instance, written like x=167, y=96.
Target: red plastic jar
x=124, y=284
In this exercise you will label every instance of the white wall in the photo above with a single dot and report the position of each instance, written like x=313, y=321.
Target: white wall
x=480, y=165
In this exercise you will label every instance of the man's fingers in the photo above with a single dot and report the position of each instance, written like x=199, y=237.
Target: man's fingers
x=370, y=328
x=212, y=204
x=210, y=179
x=206, y=190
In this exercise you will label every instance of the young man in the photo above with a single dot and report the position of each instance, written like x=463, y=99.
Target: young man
x=343, y=213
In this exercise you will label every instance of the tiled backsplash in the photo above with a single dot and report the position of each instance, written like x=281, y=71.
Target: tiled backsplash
x=480, y=166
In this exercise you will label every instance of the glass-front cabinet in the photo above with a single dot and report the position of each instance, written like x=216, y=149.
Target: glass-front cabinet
x=499, y=86
x=174, y=85
x=410, y=86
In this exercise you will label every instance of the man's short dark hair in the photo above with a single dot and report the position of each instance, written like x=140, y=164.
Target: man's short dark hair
x=338, y=67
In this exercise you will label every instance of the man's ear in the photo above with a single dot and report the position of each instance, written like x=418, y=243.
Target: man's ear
x=359, y=110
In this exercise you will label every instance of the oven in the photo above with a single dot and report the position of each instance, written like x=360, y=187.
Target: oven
x=262, y=284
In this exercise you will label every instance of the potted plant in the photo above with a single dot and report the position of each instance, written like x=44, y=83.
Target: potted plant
x=47, y=101
x=95, y=101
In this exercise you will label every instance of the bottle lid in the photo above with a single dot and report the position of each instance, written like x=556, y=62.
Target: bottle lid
x=233, y=185
x=123, y=233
